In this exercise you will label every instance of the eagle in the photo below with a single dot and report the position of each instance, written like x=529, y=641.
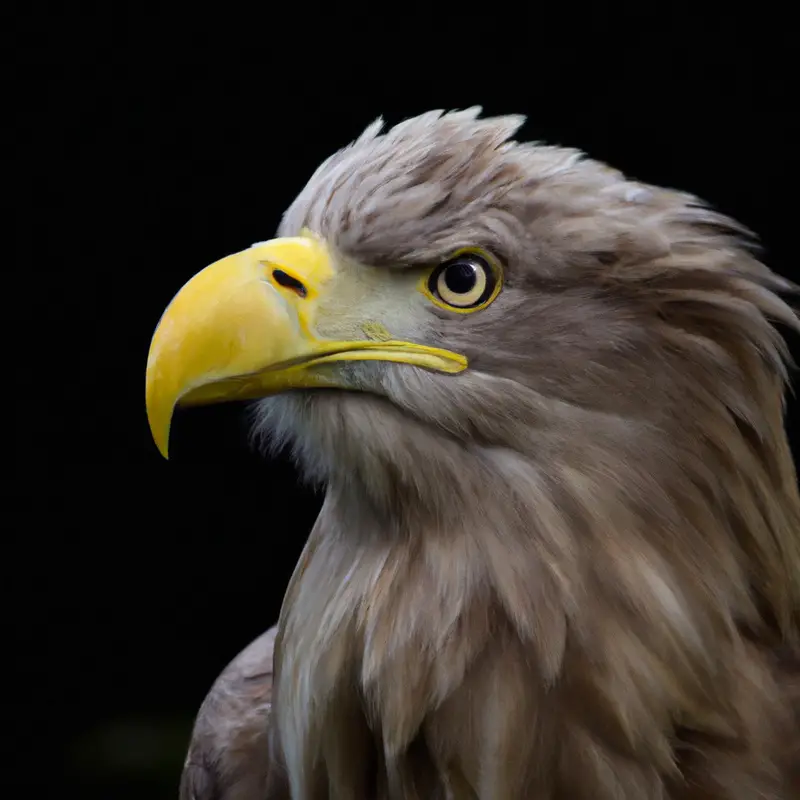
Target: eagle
x=558, y=556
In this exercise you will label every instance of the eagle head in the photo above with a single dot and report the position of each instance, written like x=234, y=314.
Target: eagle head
x=546, y=401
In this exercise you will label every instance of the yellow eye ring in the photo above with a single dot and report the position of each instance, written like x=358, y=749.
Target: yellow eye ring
x=468, y=281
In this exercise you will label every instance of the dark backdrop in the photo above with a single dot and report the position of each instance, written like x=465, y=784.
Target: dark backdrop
x=151, y=147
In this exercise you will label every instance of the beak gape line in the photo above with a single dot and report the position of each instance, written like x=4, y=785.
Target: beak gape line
x=244, y=328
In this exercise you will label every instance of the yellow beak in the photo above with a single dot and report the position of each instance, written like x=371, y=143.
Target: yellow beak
x=244, y=328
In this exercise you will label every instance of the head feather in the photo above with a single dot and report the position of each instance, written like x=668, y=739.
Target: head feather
x=604, y=505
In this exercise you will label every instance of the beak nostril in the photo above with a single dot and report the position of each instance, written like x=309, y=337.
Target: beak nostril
x=288, y=282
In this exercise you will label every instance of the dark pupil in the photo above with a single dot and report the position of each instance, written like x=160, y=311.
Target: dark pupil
x=460, y=277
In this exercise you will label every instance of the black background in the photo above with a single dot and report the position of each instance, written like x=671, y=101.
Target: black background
x=148, y=147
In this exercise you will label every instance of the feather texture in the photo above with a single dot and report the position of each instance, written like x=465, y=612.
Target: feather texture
x=228, y=758
x=573, y=570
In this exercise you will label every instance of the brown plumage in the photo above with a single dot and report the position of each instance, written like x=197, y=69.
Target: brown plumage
x=228, y=756
x=571, y=571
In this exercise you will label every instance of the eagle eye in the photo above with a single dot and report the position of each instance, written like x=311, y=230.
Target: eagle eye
x=466, y=282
